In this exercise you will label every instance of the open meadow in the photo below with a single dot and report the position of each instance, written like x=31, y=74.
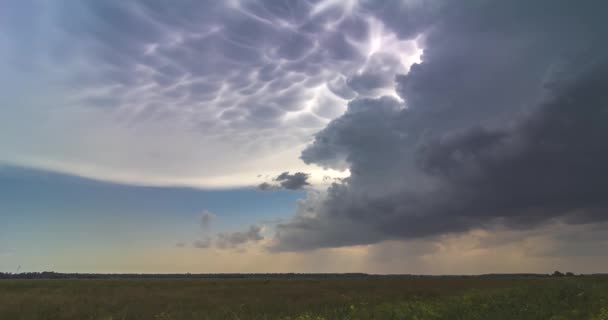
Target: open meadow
x=308, y=298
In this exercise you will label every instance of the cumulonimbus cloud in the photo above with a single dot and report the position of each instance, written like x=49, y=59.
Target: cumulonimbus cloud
x=502, y=125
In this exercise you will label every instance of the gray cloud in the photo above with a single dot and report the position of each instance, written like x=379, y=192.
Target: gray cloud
x=224, y=240
x=204, y=243
x=500, y=127
x=235, y=239
x=206, y=218
x=265, y=186
x=229, y=240
x=378, y=73
x=261, y=60
x=295, y=181
x=249, y=55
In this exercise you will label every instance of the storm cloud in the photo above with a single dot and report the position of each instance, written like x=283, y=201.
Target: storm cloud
x=502, y=126
x=450, y=116
x=285, y=180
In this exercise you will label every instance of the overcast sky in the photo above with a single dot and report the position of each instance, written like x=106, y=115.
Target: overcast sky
x=403, y=136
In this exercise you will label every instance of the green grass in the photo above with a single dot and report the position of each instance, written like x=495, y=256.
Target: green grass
x=307, y=299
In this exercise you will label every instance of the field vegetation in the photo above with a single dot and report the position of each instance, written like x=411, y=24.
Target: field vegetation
x=553, y=298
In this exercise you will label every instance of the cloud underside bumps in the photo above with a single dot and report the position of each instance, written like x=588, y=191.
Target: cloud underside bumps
x=220, y=81
x=503, y=125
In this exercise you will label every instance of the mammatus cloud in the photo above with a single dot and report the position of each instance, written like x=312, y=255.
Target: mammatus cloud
x=209, y=92
x=501, y=128
x=288, y=181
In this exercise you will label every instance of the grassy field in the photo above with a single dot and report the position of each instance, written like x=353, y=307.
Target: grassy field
x=303, y=299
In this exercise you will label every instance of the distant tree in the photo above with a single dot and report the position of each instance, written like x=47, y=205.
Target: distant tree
x=569, y=274
x=557, y=274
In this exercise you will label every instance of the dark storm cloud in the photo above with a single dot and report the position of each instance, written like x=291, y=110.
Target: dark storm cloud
x=503, y=124
x=365, y=126
x=295, y=181
x=265, y=186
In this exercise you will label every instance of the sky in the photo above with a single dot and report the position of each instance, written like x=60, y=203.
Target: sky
x=397, y=136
